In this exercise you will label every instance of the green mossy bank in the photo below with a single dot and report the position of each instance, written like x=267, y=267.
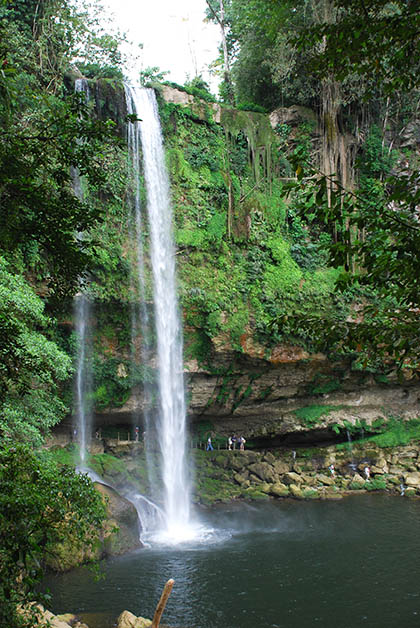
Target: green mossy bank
x=221, y=475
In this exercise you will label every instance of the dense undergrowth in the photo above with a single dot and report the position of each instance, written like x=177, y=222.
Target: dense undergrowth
x=248, y=263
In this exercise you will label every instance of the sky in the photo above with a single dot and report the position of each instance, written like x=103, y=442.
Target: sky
x=173, y=35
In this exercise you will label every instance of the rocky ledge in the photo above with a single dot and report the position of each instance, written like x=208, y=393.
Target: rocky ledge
x=125, y=620
x=327, y=473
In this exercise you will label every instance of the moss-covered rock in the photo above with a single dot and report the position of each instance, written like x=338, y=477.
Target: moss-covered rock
x=122, y=530
x=279, y=490
x=120, y=534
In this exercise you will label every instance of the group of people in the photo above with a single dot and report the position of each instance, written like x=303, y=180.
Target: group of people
x=366, y=472
x=236, y=440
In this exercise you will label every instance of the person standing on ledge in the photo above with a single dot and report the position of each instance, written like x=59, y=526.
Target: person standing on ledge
x=230, y=443
x=209, y=445
x=242, y=442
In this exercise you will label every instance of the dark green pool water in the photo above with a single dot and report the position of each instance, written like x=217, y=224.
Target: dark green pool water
x=289, y=564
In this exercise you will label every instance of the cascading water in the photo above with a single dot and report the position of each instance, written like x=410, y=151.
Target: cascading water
x=83, y=383
x=83, y=378
x=171, y=421
x=140, y=319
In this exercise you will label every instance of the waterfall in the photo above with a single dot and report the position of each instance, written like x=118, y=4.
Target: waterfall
x=171, y=416
x=140, y=318
x=83, y=380
x=352, y=464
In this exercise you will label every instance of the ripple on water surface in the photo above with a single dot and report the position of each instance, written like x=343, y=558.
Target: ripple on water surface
x=283, y=564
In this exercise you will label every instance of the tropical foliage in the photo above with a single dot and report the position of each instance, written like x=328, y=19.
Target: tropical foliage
x=41, y=504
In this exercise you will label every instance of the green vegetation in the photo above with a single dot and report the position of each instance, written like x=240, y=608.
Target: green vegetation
x=360, y=188
x=41, y=504
x=32, y=365
x=397, y=432
x=248, y=263
x=48, y=132
x=300, y=229
x=311, y=415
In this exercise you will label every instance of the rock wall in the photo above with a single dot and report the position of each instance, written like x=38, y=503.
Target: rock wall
x=120, y=534
x=263, y=397
x=327, y=473
x=267, y=397
x=265, y=393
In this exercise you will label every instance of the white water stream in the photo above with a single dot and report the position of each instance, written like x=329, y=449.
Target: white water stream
x=83, y=380
x=83, y=377
x=171, y=416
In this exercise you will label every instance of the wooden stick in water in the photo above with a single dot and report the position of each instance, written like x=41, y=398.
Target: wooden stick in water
x=162, y=603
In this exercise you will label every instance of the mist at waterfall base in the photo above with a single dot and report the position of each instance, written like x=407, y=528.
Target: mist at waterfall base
x=352, y=563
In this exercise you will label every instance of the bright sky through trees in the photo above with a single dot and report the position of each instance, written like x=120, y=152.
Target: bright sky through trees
x=173, y=34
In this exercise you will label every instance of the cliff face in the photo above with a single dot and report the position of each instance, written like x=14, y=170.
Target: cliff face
x=291, y=397
x=264, y=397
x=262, y=322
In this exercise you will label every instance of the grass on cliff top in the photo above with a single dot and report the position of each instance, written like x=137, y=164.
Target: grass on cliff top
x=103, y=464
x=397, y=432
x=311, y=415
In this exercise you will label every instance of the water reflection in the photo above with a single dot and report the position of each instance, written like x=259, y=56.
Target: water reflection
x=287, y=564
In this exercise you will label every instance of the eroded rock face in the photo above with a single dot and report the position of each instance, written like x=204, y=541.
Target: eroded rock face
x=258, y=393
x=198, y=106
x=260, y=397
x=121, y=533
x=292, y=115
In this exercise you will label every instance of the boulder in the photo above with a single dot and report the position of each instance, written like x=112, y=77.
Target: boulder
x=280, y=467
x=292, y=478
x=308, y=479
x=310, y=493
x=237, y=462
x=241, y=478
x=249, y=456
x=332, y=495
x=45, y=617
x=412, y=479
x=395, y=470
x=296, y=491
x=325, y=479
x=379, y=470
x=279, y=490
x=122, y=529
x=357, y=479
x=269, y=458
x=394, y=479
x=263, y=470
x=120, y=533
x=67, y=618
x=128, y=620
